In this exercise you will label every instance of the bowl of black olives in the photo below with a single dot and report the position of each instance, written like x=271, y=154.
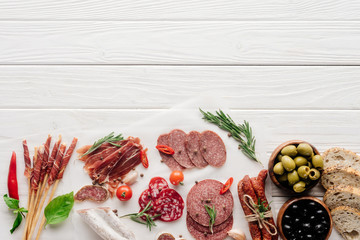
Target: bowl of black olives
x=295, y=166
x=305, y=218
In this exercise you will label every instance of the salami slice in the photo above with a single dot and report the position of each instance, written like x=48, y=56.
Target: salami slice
x=144, y=199
x=177, y=140
x=92, y=193
x=156, y=185
x=199, y=235
x=212, y=148
x=170, y=205
x=208, y=192
x=192, y=145
x=166, y=158
x=216, y=228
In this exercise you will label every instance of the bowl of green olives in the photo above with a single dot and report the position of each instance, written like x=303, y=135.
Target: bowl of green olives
x=295, y=166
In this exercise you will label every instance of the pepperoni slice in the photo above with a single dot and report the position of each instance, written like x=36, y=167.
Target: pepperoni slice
x=170, y=205
x=144, y=199
x=156, y=185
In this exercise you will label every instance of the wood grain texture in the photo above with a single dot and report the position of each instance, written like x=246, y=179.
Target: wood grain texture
x=180, y=10
x=215, y=43
x=104, y=87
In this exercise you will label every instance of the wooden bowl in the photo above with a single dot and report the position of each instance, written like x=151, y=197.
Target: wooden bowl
x=273, y=161
x=296, y=199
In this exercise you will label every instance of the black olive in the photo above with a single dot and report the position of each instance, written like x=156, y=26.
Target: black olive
x=319, y=229
x=294, y=207
x=312, y=204
x=312, y=218
x=306, y=226
x=287, y=227
x=296, y=220
x=287, y=218
x=320, y=212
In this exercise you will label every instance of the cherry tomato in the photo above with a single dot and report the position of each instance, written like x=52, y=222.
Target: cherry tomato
x=176, y=178
x=124, y=193
x=144, y=159
x=227, y=185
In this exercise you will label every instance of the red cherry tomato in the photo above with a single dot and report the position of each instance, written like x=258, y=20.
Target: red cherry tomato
x=124, y=193
x=227, y=185
x=144, y=159
x=176, y=177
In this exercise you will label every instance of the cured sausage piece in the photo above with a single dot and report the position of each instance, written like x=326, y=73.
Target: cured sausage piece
x=170, y=205
x=144, y=199
x=244, y=187
x=165, y=236
x=156, y=185
x=92, y=193
x=259, y=188
x=216, y=228
x=212, y=148
x=198, y=235
x=177, y=140
x=192, y=145
x=208, y=192
x=166, y=158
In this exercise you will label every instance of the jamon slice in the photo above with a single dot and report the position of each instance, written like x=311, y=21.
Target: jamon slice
x=212, y=148
x=166, y=158
x=177, y=140
x=192, y=145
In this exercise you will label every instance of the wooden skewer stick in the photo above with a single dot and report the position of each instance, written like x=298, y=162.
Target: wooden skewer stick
x=24, y=237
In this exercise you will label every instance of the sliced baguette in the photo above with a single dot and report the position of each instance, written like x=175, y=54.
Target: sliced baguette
x=342, y=196
x=341, y=157
x=347, y=222
x=338, y=175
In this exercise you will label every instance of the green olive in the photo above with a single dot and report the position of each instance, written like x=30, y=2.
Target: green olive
x=282, y=178
x=289, y=150
x=299, y=187
x=314, y=174
x=304, y=149
x=318, y=162
x=279, y=169
x=288, y=163
x=307, y=181
x=279, y=156
x=300, y=161
x=311, y=156
x=303, y=172
x=309, y=164
x=293, y=177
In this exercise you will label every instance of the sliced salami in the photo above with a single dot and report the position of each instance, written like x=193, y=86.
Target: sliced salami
x=177, y=140
x=166, y=158
x=208, y=192
x=170, y=205
x=156, y=185
x=144, y=199
x=199, y=235
x=192, y=145
x=216, y=228
x=92, y=193
x=212, y=148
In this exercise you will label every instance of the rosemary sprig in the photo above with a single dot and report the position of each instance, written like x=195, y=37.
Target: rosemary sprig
x=212, y=215
x=240, y=132
x=109, y=139
x=261, y=209
x=149, y=220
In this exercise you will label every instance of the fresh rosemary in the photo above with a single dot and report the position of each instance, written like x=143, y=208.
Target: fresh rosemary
x=137, y=217
x=261, y=209
x=240, y=132
x=109, y=139
x=212, y=215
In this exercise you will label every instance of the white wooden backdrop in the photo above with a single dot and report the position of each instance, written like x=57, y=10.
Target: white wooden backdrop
x=291, y=66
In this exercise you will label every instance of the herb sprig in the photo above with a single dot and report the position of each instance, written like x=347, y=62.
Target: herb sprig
x=261, y=209
x=212, y=214
x=240, y=132
x=137, y=217
x=13, y=205
x=107, y=139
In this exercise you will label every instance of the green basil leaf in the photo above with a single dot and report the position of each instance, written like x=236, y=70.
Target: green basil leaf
x=11, y=202
x=17, y=222
x=59, y=208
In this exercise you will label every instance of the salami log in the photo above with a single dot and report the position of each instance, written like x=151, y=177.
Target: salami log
x=92, y=193
x=192, y=145
x=212, y=148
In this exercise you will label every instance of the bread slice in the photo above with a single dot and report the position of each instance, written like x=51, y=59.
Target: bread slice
x=347, y=222
x=341, y=157
x=337, y=176
x=342, y=196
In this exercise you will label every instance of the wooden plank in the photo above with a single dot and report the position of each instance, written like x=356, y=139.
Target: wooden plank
x=194, y=42
x=180, y=10
x=165, y=86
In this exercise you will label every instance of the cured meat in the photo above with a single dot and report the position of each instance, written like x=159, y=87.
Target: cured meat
x=156, y=185
x=166, y=158
x=177, y=140
x=92, y=193
x=169, y=204
x=208, y=192
x=144, y=199
x=212, y=148
x=203, y=229
x=45, y=158
x=27, y=160
x=66, y=158
x=37, y=168
x=57, y=163
x=192, y=145
x=199, y=235
x=165, y=236
x=106, y=224
x=244, y=187
x=53, y=155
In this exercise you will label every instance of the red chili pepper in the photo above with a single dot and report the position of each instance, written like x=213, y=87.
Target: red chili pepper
x=144, y=159
x=165, y=149
x=12, y=179
x=226, y=186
